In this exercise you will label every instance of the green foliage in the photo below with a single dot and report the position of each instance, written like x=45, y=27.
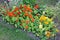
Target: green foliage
x=32, y=17
x=31, y=2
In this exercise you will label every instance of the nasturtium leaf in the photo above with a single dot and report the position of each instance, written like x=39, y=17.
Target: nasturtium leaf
x=33, y=31
x=24, y=24
x=7, y=18
x=18, y=23
x=32, y=24
x=21, y=18
x=35, y=11
x=13, y=19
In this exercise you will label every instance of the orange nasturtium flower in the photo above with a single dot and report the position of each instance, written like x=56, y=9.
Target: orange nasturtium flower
x=26, y=13
x=18, y=13
x=43, y=18
x=28, y=8
x=26, y=27
x=25, y=6
x=27, y=21
x=36, y=6
x=16, y=9
x=30, y=16
x=47, y=33
x=33, y=20
x=10, y=14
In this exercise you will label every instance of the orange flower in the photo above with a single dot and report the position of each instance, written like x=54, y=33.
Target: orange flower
x=26, y=13
x=26, y=27
x=30, y=10
x=47, y=33
x=10, y=14
x=27, y=21
x=25, y=6
x=36, y=6
x=16, y=9
x=33, y=20
x=30, y=16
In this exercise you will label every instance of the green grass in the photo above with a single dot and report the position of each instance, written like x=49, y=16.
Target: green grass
x=11, y=34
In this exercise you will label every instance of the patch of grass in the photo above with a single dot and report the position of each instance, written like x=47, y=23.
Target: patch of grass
x=11, y=34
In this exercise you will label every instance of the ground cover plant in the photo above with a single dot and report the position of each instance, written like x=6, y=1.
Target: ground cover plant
x=31, y=18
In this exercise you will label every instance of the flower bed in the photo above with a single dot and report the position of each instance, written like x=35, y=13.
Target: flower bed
x=32, y=19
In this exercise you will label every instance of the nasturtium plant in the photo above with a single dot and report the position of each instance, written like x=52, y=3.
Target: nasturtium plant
x=31, y=18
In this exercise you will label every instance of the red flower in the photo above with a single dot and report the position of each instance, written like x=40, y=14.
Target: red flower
x=36, y=6
x=25, y=6
x=19, y=13
x=10, y=14
x=15, y=15
x=16, y=9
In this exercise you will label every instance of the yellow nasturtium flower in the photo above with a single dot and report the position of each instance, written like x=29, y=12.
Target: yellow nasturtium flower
x=50, y=20
x=53, y=35
x=57, y=30
x=47, y=33
x=46, y=22
x=43, y=18
x=40, y=26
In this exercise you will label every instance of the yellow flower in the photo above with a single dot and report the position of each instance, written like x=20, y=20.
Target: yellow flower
x=53, y=34
x=50, y=20
x=46, y=22
x=57, y=30
x=43, y=18
x=47, y=33
x=40, y=26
